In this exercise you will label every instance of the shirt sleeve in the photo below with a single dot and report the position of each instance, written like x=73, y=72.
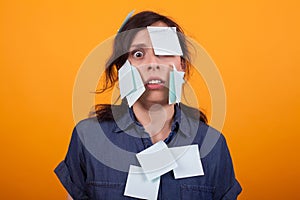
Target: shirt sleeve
x=72, y=171
x=227, y=187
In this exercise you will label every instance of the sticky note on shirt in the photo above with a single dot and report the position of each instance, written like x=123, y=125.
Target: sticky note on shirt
x=175, y=85
x=138, y=186
x=165, y=40
x=130, y=83
x=188, y=161
x=156, y=160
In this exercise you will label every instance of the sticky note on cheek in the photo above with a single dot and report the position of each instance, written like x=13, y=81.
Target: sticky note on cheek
x=165, y=41
x=130, y=83
x=126, y=81
x=175, y=85
x=139, y=88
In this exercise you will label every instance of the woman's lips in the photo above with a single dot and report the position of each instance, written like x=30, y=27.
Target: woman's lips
x=155, y=84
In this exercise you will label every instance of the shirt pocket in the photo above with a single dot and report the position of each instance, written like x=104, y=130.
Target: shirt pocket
x=199, y=192
x=105, y=190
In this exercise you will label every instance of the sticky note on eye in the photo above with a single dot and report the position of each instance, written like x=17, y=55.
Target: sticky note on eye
x=131, y=83
x=165, y=40
x=175, y=85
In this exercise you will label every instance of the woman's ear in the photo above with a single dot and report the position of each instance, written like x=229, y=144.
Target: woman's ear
x=183, y=64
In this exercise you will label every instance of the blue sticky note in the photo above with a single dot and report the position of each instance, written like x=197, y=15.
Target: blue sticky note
x=126, y=20
x=175, y=85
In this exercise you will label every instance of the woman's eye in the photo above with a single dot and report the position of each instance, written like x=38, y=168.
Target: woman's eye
x=138, y=54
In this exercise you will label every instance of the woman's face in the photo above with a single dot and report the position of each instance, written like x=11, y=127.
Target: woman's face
x=154, y=69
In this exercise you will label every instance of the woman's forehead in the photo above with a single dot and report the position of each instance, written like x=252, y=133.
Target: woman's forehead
x=142, y=38
x=159, y=24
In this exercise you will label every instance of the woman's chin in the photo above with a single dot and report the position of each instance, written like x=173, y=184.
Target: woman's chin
x=154, y=98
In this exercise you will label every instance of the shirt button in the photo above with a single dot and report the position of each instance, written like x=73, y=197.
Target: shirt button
x=147, y=143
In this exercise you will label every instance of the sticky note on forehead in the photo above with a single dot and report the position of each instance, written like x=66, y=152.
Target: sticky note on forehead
x=165, y=41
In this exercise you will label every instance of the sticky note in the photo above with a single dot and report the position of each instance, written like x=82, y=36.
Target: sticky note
x=156, y=160
x=130, y=83
x=175, y=85
x=126, y=20
x=138, y=186
x=165, y=40
x=188, y=161
x=143, y=182
x=126, y=81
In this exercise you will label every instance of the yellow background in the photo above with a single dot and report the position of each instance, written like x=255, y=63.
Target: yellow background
x=254, y=44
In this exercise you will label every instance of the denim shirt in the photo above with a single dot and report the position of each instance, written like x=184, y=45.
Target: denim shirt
x=100, y=153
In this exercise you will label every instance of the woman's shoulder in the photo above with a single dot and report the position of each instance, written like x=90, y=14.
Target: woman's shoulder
x=193, y=113
x=92, y=125
x=108, y=112
x=205, y=135
x=87, y=122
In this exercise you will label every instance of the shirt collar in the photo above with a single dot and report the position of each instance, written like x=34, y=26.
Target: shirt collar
x=128, y=119
x=123, y=122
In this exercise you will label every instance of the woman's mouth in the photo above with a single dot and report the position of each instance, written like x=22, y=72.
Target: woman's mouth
x=155, y=84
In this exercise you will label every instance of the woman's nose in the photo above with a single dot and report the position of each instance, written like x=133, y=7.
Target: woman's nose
x=152, y=61
x=153, y=67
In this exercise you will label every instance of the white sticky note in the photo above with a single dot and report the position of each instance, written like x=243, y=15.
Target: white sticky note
x=131, y=83
x=175, y=85
x=139, y=87
x=156, y=160
x=126, y=80
x=188, y=161
x=138, y=186
x=165, y=40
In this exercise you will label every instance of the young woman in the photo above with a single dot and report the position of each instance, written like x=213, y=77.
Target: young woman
x=103, y=147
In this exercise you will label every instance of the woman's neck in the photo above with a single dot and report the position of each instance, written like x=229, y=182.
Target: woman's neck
x=155, y=118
